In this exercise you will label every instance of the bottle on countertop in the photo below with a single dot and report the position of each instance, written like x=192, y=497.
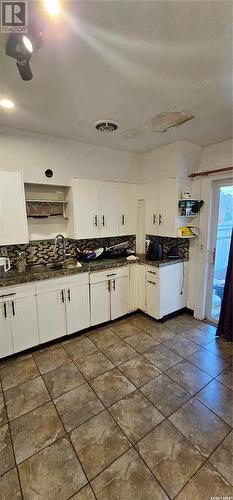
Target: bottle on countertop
x=21, y=263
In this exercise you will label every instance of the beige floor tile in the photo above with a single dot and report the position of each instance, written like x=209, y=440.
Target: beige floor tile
x=52, y=358
x=198, y=336
x=7, y=460
x=202, y=427
x=226, y=377
x=26, y=397
x=17, y=371
x=52, y=474
x=170, y=457
x=3, y=415
x=98, y=443
x=80, y=347
x=165, y=394
x=125, y=329
x=127, y=479
x=103, y=338
x=208, y=362
x=222, y=458
x=77, y=406
x=93, y=365
x=35, y=430
x=219, y=399
x=119, y=352
x=221, y=348
x=205, y=485
x=141, y=342
x=9, y=486
x=176, y=325
x=139, y=370
x=135, y=415
x=181, y=346
x=112, y=386
x=191, y=378
x=63, y=379
x=85, y=493
x=161, y=333
x=162, y=357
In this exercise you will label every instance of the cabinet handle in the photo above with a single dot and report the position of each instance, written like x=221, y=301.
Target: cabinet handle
x=7, y=295
x=4, y=307
x=13, y=307
x=152, y=272
x=69, y=294
x=154, y=219
x=160, y=219
x=123, y=219
x=152, y=282
x=62, y=296
x=114, y=285
x=109, y=286
x=103, y=220
x=96, y=220
x=111, y=274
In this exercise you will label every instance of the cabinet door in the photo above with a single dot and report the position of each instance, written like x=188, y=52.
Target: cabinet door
x=151, y=207
x=6, y=343
x=86, y=208
x=127, y=209
x=152, y=298
x=167, y=207
x=13, y=219
x=119, y=297
x=141, y=288
x=173, y=288
x=109, y=198
x=77, y=308
x=133, y=287
x=24, y=323
x=100, y=302
x=51, y=315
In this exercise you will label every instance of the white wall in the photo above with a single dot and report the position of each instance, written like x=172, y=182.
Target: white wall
x=34, y=153
x=217, y=156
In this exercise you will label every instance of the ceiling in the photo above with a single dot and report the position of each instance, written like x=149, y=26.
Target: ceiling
x=127, y=61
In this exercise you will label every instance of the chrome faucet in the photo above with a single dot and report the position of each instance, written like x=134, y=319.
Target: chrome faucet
x=61, y=238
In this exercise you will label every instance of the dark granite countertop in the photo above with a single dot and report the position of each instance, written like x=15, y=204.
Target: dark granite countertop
x=14, y=278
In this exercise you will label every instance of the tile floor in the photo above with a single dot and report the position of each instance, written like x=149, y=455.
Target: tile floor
x=137, y=410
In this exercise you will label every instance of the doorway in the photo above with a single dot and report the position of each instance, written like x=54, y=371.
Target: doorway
x=222, y=223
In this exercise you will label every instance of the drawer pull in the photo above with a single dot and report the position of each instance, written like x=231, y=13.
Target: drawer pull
x=111, y=274
x=7, y=295
x=152, y=272
x=152, y=282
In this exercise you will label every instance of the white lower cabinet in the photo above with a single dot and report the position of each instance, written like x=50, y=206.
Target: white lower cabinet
x=51, y=315
x=152, y=298
x=133, y=287
x=109, y=294
x=77, y=308
x=18, y=319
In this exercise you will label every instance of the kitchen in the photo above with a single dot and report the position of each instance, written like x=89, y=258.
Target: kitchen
x=107, y=338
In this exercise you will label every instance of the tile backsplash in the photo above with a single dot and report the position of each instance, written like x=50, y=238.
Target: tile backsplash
x=38, y=252
x=182, y=244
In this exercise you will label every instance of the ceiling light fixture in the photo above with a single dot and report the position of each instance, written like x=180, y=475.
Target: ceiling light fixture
x=27, y=43
x=6, y=103
x=106, y=126
x=53, y=7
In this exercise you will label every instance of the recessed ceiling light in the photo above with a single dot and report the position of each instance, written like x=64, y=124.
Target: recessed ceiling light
x=53, y=7
x=6, y=103
x=28, y=44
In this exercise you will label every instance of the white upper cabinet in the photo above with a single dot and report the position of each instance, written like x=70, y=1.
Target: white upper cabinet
x=103, y=209
x=13, y=218
x=161, y=206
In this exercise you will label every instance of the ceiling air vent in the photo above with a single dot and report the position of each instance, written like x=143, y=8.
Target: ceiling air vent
x=106, y=126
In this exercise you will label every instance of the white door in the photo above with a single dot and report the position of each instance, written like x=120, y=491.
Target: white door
x=152, y=298
x=151, y=207
x=51, y=315
x=13, y=219
x=86, y=208
x=221, y=229
x=6, y=343
x=127, y=209
x=100, y=302
x=77, y=308
x=167, y=207
x=119, y=297
x=24, y=323
x=109, y=196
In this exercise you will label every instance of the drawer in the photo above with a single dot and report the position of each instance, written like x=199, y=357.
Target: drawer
x=152, y=271
x=62, y=282
x=17, y=291
x=108, y=274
